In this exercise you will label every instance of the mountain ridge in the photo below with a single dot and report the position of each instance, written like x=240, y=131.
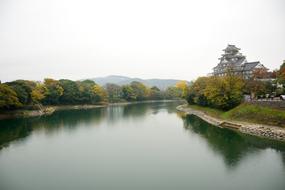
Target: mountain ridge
x=123, y=80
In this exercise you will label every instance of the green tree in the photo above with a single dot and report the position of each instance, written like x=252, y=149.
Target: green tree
x=173, y=92
x=8, y=98
x=197, y=91
x=190, y=98
x=155, y=93
x=140, y=90
x=70, y=92
x=54, y=91
x=128, y=93
x=85, y=91
x=23, y=88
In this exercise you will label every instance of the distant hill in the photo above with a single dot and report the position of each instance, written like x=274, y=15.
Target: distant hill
x=122, y=80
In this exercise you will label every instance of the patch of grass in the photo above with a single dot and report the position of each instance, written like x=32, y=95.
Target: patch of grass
x=249, y=113
x=210, y=111
x=257, y=114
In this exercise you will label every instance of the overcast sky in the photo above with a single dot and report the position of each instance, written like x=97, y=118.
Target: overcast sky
x=78, y=39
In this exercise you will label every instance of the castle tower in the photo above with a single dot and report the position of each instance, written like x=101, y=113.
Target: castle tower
x=231, y=60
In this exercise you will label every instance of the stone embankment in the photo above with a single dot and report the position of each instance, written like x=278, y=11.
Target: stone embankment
x=265, y=131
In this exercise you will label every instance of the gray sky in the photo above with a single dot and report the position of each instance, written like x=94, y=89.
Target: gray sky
x=149, y=39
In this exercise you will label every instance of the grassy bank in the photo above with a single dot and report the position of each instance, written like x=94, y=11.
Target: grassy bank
x=248, y=113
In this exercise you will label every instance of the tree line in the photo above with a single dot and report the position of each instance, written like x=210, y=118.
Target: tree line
x=25, y=93
x=223, y=92
x=226, y=92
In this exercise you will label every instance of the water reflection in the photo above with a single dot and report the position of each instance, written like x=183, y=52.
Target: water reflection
x=231, y=145
x=19, y=129
x=143, y=145
x=11, y=130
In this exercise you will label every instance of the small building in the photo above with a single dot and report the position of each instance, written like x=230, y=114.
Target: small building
x=233, y=61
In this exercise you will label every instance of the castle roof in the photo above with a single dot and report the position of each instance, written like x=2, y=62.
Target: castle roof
x=231, y=48
x=250, y=65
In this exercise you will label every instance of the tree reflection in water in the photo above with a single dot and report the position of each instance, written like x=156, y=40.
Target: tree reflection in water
x=231, y=145
x=19, y=129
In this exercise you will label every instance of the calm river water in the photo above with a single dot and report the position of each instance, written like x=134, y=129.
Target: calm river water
x=140, y=146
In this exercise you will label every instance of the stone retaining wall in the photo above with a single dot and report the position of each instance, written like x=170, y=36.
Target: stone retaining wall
x=270, y=133
x=271, y=104
x=265, y=131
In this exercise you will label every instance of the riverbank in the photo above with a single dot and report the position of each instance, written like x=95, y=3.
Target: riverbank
x=260, y=130
x=48, y=110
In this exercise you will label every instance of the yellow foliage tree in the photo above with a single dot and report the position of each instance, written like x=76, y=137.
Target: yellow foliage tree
x=183, y=86
x=100, y=94
x=224, y=92
x=38, y=93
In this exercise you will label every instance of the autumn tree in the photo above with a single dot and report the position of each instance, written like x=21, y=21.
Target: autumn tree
x=196, y=92
x=173, y=92
x=255, y=88
x=38, y=93
x=99, y=94
x=183, y=86
x=114, y=92
x=281, y=74
x=140, y=90
x=8, y=98
x=64, y=91
x=224, y=92
x=261, y=73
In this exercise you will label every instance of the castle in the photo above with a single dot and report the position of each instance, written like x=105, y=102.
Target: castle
x=233, y=61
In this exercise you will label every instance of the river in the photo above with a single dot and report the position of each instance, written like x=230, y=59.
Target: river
x=139, y=146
